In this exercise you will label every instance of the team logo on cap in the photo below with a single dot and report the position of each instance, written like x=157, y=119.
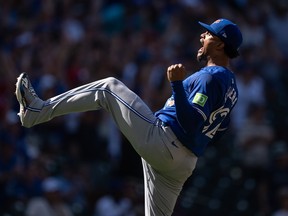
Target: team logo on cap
x=218, y=21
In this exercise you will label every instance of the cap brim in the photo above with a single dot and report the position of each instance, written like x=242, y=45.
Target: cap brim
x=207, y=27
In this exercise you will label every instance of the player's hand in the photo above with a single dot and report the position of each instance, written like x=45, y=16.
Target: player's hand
x=176, y=72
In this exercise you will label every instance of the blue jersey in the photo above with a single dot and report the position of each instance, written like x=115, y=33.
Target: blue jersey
x=199, y=109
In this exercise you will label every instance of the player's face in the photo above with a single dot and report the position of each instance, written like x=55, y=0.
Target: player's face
x=208, y=42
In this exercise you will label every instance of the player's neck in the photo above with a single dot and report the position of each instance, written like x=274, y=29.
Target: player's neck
x=218, y=61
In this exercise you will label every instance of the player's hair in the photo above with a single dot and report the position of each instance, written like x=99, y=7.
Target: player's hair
x=231, y=53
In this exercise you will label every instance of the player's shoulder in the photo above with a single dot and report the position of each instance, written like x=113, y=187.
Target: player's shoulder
x=217, y=73
x=210, y=72
x=214, y=70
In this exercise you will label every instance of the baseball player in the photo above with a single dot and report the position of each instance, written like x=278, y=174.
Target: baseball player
x=170, y=140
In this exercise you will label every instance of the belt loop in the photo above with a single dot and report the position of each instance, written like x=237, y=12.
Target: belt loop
x=160, y=123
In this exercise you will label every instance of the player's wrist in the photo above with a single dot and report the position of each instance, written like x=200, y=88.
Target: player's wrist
x=176, y=83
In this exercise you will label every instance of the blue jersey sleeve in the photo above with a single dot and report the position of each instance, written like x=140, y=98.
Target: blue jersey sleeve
x=188, y=117
x=205, y=94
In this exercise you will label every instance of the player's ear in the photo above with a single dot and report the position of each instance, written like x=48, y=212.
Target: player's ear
x=220, y=45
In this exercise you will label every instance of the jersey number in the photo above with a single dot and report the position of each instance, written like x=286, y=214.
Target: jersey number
x=215, y=120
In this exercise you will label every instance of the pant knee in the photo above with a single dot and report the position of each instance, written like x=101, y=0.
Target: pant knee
x=112, y=81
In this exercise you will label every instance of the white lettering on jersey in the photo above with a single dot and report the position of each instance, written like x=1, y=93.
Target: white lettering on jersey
x=219, y=113
x=232, y=95
x=217, y=116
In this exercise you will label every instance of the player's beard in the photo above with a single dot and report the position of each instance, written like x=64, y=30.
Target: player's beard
x=201, y=56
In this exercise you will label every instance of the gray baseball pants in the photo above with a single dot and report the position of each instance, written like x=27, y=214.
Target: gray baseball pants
x=166, y=162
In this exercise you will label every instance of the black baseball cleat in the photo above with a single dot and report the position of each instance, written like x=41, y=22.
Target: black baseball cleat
x=30, y=103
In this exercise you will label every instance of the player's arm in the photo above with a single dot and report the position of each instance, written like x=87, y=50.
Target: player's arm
x=188, y=116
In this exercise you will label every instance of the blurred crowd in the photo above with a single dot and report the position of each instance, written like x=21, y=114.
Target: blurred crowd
x=80, y=164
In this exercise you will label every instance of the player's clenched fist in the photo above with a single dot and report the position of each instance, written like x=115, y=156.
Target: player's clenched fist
x=176, y=72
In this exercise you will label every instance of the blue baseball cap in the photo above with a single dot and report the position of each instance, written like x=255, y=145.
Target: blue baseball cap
x=228, y=32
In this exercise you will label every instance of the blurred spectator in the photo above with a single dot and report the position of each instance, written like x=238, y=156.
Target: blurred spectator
x=251, y=89
x=121, y=199
x=13, y=164
x=51, y=203
x=278, y=19
x=278, y=171
x=253, y=29
x=253, y=145
x=283, y=202
x=254, y=139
